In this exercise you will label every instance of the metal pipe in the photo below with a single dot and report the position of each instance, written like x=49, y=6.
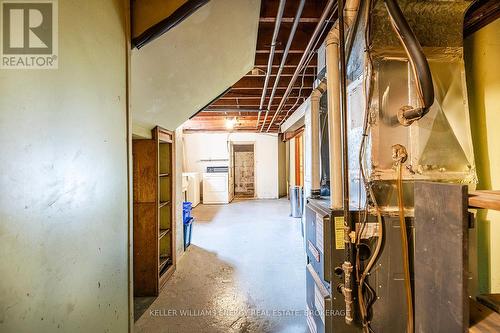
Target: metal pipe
x=337, y=114
x=315, y=140
x=334, y=129
x=309, y=46
x=349, y=255
x=399, y=156
x=343, y=114
x=334, y=100
x=277, y=26
x=296, y=22
x=421, y=71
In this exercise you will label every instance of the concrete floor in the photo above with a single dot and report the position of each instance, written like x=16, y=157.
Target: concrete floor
x=245, y=272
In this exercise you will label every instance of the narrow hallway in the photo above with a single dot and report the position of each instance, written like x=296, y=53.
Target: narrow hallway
x=244, y=272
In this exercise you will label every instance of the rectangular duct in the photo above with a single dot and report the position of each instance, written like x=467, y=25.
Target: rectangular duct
x=439, y=145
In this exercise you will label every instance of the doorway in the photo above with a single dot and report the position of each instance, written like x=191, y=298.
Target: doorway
x=244, y=170
x=299, y=159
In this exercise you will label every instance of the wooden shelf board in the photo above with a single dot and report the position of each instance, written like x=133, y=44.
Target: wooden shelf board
x=163, y=261
x=164, y=203
x=163, y=232
x=485, y=199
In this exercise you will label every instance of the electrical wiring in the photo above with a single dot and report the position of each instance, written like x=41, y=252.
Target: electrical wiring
x=366, y=304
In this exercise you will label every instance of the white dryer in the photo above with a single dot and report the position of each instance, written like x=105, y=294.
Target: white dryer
x=217, y=186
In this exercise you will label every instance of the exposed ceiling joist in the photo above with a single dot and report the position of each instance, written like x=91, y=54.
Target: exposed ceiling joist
x=243, y=99
x=289, y=20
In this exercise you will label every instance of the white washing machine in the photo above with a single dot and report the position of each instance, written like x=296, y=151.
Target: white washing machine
x=217, y=183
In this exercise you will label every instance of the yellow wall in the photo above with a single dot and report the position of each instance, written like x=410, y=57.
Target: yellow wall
x=482, y=55
x=63, y=180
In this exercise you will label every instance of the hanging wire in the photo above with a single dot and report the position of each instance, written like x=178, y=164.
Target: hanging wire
x=366, y=294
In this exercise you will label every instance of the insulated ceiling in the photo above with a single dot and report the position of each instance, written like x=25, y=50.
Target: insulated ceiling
x=177, y=74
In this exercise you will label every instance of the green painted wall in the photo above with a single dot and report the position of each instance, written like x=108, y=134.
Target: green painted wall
x=482, y=57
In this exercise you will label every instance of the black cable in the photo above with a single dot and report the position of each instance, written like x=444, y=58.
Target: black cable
x=418, y=61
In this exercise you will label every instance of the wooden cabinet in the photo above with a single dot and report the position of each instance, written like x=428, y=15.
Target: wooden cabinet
x=154, y=215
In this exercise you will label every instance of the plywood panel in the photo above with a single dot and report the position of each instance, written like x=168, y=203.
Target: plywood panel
x=145, y=168
x=145, y=249
x=441, y=300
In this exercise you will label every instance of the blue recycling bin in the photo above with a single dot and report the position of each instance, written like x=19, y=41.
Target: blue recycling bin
x=186, y=210
x=188, y=223
x=188, y=231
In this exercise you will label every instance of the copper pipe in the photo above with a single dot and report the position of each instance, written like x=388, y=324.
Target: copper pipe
x=399, y=156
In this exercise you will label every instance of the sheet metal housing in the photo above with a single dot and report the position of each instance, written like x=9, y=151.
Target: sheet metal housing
x=440, y=144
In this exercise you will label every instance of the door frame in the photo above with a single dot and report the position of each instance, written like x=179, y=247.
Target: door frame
x=254, y=144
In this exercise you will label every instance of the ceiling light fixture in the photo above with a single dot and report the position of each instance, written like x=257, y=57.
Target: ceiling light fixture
x=230, y=123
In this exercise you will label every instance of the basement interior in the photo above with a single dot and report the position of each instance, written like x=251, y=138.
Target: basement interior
x=250, y=166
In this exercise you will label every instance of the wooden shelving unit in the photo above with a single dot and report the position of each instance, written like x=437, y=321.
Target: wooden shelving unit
x=154, y=216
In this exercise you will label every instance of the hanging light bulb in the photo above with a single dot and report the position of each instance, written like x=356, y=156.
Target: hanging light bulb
x=230, y=123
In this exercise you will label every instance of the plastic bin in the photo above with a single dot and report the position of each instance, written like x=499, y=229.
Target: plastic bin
x=188, y=232
x=186, y=210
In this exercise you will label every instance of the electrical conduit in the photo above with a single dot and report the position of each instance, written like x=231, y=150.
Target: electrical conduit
x=270, y=60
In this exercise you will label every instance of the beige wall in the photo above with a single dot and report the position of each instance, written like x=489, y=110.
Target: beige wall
x=177, y=74
x=482, y=51
x=200, y=147
x=179, y=199
x=63, y=180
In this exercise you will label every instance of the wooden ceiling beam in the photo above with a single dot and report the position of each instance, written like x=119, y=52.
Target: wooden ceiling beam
x=252, y=129
x=243, y=99
x=209, y=118
x=219, y=123
x=227, y=104
x=267, y=51
x=269, y=8
x=264, y=67
x=258, y=82
x=252, y=94
x=289, y=19
x=287, y=71
x=279, y=89
x=240, y=107
x=293, y=60
x=300, y=39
